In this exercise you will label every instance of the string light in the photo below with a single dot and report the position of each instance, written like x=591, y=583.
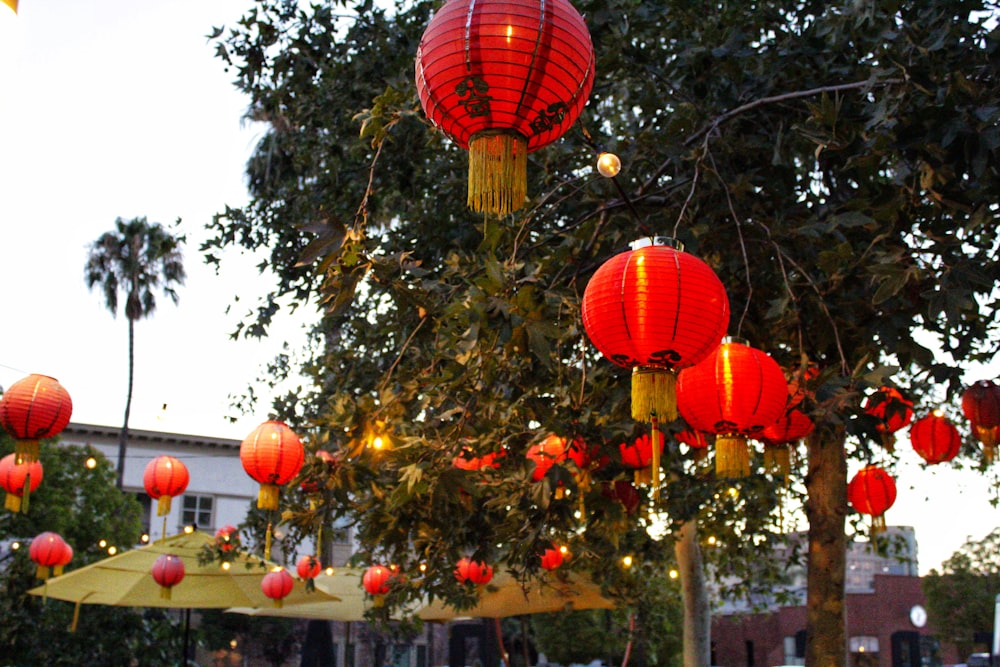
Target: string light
x=608, y=165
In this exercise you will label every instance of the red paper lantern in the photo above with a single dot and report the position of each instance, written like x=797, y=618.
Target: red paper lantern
x=469, y=571
x=19, y=480
x=308, y=567
x=47, y=551
x=164, y=478
x=466, y=460
x=272, y=454
x=624, y=492
x=553, y=557
x=735, y=393
x=67, y=557
x=277, y=585
x=981, y=406
x=34, y=408
x=640, y=457
x=872, y=491
x=935, y=438
x=892, y=411
x=376, y=581
x=777, y=437
x=545, y=454
x=655, y=309
x=168, y=571
x=503, y=78
x=227, y=538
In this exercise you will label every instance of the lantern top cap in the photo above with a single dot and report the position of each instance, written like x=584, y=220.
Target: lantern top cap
x=647, y=241
x=735, y=339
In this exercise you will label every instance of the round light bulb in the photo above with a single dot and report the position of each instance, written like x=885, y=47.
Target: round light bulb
x=627, y=561
x=112, y=551
x=674, y=574
x=608, y=165
x=91, y=463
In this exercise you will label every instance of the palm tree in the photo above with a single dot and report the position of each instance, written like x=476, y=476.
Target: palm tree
x=133, y=260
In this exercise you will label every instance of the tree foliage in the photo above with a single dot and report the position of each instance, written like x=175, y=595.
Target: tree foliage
x=835, y=163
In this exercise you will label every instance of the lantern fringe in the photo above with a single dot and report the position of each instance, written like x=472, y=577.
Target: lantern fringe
x=378, y=601
x=163, y=506
x=26, y=451
x=278, y=603
x=878, y=524
x=57, y=570
x=12, y=502
x=42, y=572
x=643, y=476
x=989, y=453
x=267, y=497
x=888, y=441
x=165, y=592
x=778, y=460
x=698, y=454
x=732, y=456
x=498, y=172
x=654, y=394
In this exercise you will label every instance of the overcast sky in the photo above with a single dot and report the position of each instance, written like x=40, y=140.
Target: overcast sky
x=118, y=108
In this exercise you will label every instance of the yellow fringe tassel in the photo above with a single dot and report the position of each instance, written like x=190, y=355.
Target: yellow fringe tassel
x=498, y=172
x=278, y=603
x=732, y=456
x=654, y=393
x=163, y=506
x=878, y=524
x=12, y=503
x=165, y=592
x=267, y=542
x=778, y=460
x=25, y=451
x=989, y=453
x=267, y=497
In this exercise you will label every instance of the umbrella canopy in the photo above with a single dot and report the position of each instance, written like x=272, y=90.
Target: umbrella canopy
x=346, y=600
x=505, y=596
x=125, y=580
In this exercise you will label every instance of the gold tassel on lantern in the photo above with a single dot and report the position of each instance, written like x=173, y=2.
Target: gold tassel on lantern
x=498, y=172
x=732, y=456
x=165, y=592
x=878, y=524
x=654, y=392
x=163, y=506
x=778, y=460
x=12, y=502
x=987, y=436
x=267, y=497
x=25, y=451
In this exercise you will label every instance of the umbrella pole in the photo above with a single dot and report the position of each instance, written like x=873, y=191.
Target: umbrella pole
x=524, y=642
x=187, y=631
x=628, y=645
x=503, y=651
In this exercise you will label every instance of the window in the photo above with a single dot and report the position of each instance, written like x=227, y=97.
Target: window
x=197, y=510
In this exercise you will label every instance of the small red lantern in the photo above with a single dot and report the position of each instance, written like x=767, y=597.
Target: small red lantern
x=545, y=454
x=872, y=491
x=19, y=480
x=469, y=571
x=466, y=460
x=624, y=492
x=642, y=458
x=981, y=406
x=227, y=538
x=935, y=438
x=503, y=78
x=34, y=408
x=47, y=551
x=655, y=309
x=164, y=478
x=67, y=557
x=735, y=393
x=168, y=571
x=277, y=585
x=308, y=567
x=376, y=582
x=777, y=437
x=553, y=557
x=892, y=411
x=272, y=454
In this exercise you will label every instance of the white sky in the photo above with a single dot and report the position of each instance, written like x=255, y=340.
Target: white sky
x=118, y=108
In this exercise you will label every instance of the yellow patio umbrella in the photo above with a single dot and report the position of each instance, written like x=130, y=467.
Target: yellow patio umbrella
x=11, y=3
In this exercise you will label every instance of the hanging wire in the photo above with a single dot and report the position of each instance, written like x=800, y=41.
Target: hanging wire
x=618, y=186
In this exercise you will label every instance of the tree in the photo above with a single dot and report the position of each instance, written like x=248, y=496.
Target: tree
x=833, y=163
x=961, y=598
x=133, y=260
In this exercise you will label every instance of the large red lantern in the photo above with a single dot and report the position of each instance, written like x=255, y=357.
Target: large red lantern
x=277, y=585
x=272, y=454
x=892, y=411
x=655, y=309
x=735, y=393
x=981, y=406
x=503, y=78
x=790, y=428
x=164, y=478
x=34, y=408
x=19, y=480
x=474, y=572
x=545, y=454
x=308, y=567
x=935, y=438
x=872, y=491
x=168, y=571
x=48, y=551
x=376, y=582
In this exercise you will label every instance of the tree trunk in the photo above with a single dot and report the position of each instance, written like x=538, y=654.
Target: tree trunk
x=694, y=592
x=123, y=434
x=826, y=509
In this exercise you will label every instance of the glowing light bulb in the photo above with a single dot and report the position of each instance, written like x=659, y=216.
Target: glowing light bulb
x=377, y=442
x=608, y=165
x=711, y=540
x=188, y=530
x=145, y=538
x=627, y=561
x=674, y=574
x=112, y=551
x=510, y=33
x=329, y=571
x=90, y=463
x=102, y=543
x=14, y=546
x=225, y=567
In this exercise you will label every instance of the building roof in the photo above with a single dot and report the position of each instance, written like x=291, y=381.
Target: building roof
x=75, y=431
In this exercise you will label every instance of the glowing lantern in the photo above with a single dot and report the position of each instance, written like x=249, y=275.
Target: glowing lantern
x=227, y=538
x=777, y=437
x=277, y=585
x=168, y=571
x=469, y=571
x=164, y=478
x=553, y=557
x=981, y=406
x=892, y=411
x=545, y=454
x=19, y=480
x=47, y=551
x=735, y=393
x=308, y=567
x=67, y=557
x=655, y=309
x=376, y=581
x=272, y=454
x=503, y=78
x=34, y=408
x=640, y=456
x=872, y=491
x=935, y=438
x=466, y=460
